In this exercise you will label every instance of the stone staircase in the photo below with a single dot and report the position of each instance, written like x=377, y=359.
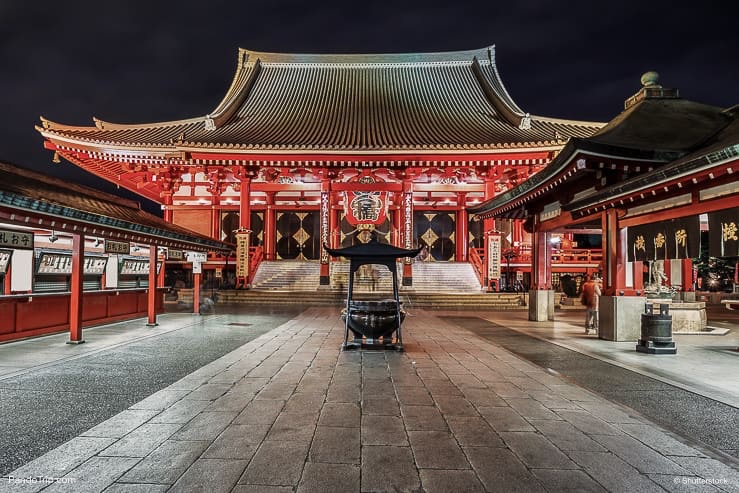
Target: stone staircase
x=445, y=277
x=287, y=275
x=436, y=285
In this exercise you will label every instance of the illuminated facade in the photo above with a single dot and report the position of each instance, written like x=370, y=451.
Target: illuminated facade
x=307, y=150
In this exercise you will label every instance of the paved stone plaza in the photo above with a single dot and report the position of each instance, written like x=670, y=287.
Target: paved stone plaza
x=289, y=411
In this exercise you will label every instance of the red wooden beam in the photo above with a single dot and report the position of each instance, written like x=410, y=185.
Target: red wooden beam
x=307, y=157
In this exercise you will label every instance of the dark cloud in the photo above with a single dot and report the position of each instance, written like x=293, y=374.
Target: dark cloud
x=140, y=61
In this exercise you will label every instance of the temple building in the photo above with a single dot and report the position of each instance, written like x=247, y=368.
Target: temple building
x=312, y=150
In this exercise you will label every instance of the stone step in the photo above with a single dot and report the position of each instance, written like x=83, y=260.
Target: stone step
x=449, y=301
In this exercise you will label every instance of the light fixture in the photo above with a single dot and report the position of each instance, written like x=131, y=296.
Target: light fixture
x=53, y=237
x=98, y=241
x=136, y=248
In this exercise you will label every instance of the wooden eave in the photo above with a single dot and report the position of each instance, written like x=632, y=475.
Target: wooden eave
x=32, y=199
x=578, y=158
x=683, y=176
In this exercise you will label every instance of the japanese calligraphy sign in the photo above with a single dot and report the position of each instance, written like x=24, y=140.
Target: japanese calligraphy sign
x=135, y=267
x=365, y=207
x=59, y=263
x=242, y=253
x=723, y=233
x=494, y=256
x=16, y=239
x=675, y=239
x=112, y=246
x=175, y=254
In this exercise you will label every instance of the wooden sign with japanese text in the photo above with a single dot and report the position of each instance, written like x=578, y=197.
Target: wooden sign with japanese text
x=16, y=239
x=122, y=247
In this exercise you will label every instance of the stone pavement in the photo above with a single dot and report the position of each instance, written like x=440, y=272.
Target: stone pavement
x=289, y=411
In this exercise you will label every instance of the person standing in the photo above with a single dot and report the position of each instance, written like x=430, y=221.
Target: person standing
x=589, y=298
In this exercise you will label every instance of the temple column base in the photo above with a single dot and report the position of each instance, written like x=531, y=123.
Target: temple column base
x=541, y=305
x=687, y=296
x=619, y=317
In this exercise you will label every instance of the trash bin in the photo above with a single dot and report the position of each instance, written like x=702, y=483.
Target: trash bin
x=656, y=331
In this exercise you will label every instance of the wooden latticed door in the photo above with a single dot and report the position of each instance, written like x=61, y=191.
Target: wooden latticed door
x=298, y=235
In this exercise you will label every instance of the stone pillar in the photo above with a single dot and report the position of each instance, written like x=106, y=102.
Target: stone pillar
x=619, y=317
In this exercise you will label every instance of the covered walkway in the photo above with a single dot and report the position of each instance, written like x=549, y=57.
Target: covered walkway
x=457, y=411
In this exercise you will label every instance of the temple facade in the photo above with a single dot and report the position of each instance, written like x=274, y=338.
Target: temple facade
x=313, y=150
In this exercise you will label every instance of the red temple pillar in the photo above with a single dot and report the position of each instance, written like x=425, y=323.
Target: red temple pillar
x=397, y=214
x=687, y=274
x=541, y=261
x=215, y=219
x=168, y=213
x=151, y=306
x=325, y=228
x=407, y=229
x=196, y=292
x=245, y=203
x=541, y=296
x=161, y=275
x=335, y=226
x=614, y=249
x=75, y=290
x=461, y=228
x=488, y=226
x=638, y=268
x=270, y=225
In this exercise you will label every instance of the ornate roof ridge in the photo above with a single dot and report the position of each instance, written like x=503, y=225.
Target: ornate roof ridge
x=584, y=123
x=105, y=125
x=379, y=58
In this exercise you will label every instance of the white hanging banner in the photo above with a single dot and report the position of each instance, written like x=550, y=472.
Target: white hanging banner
x=494, y=256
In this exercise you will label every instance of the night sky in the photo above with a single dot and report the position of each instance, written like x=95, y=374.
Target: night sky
x=135, y=62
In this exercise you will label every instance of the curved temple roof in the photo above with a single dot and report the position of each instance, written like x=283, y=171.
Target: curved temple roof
x=383, y=102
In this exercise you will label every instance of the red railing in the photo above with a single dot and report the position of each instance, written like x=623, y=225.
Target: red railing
x=559, y=256
x=475, y=258
x=256, y=255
